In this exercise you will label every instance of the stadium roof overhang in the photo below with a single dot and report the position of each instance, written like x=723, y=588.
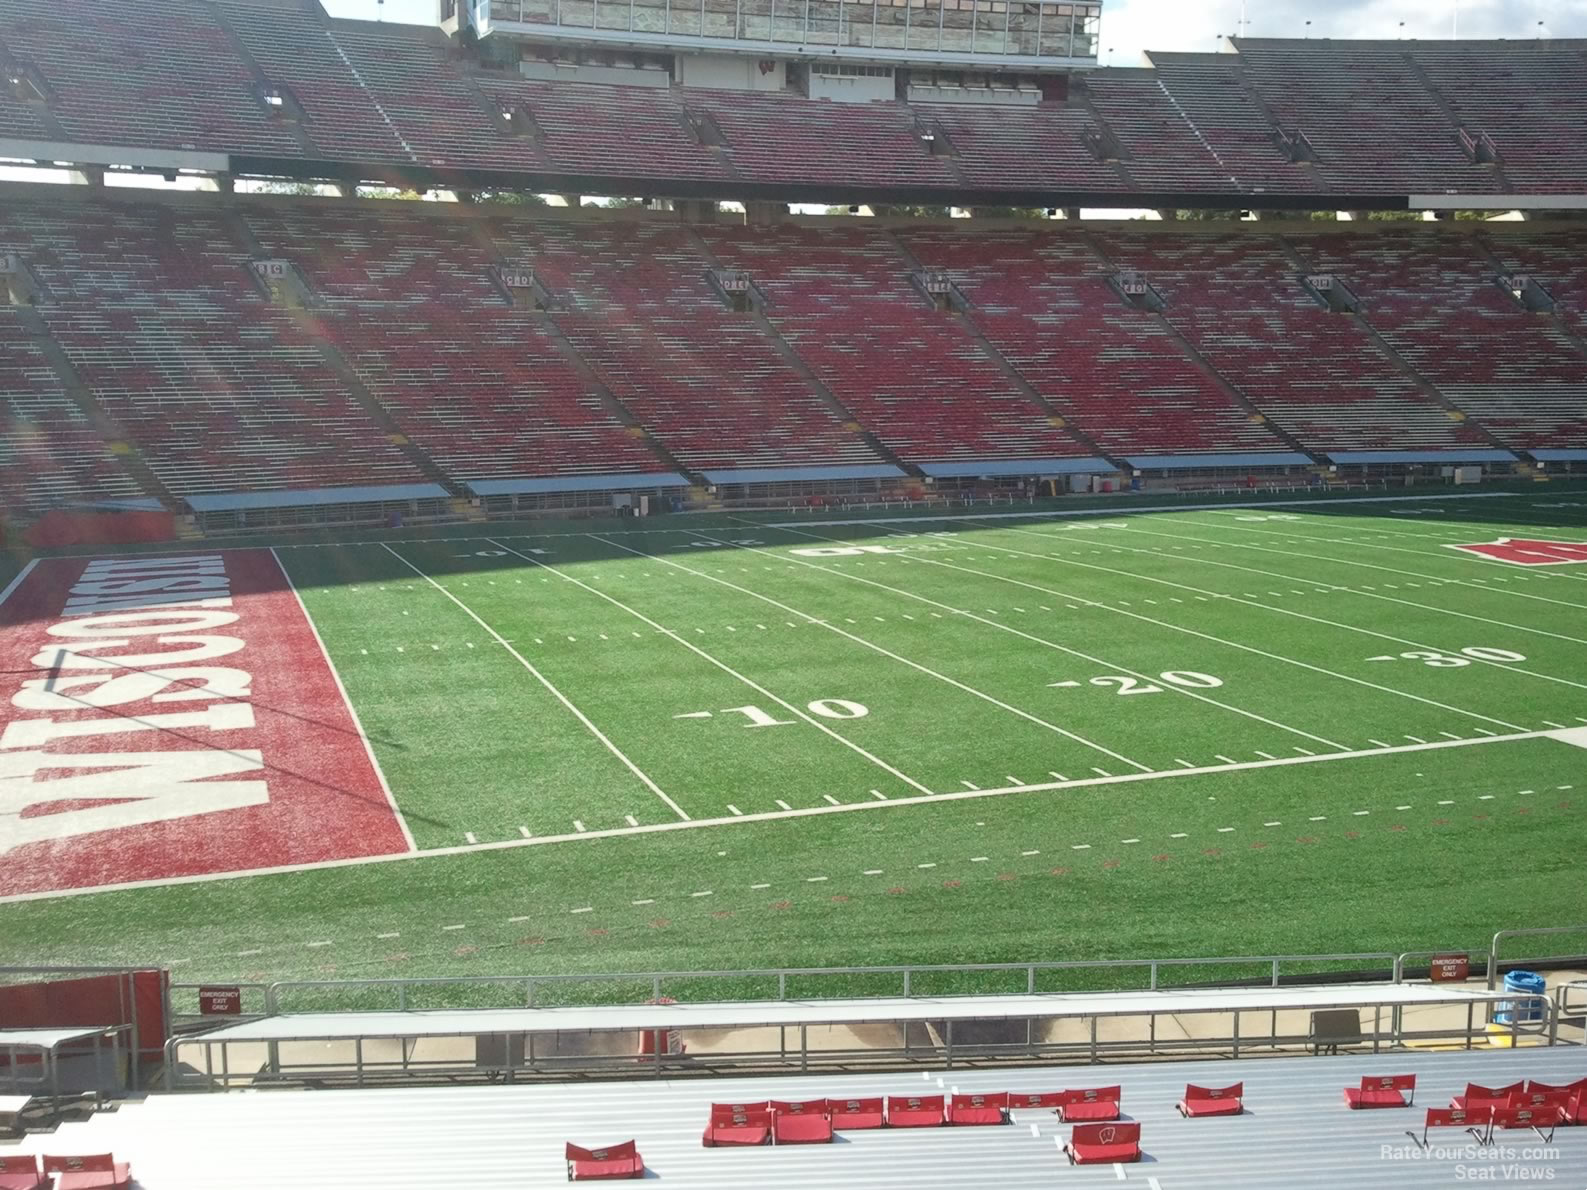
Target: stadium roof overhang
x=406, y=175
x=1458, y=454
x=1019, y=468
x=575, y=483
x=304, y=497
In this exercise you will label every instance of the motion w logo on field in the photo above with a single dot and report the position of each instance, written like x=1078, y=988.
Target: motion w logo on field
x=1524, y=551
x=173, y=716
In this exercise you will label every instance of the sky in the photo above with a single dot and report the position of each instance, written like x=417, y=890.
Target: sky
x=1131, y=26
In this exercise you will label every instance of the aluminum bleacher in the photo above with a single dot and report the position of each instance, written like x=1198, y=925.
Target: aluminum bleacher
x=1296, y=1131
x=218, y=389
x=1384, y=117
x=1317, y=374
x=477, y=384
x=1113, y=371
x=1436, y=300
x=707, y=382
x=843, y=298
x=50, y=455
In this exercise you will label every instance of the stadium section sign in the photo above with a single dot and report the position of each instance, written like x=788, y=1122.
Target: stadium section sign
x=173, y=716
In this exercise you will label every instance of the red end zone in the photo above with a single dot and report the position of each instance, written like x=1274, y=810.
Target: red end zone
x=174, y=716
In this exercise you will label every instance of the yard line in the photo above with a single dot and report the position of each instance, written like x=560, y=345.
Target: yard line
x=544, y=681
x=859, y=640
x=1573, y=736
x=693, y=648
x=1209, y=636
x=1373, y=566
x=1062, y=648
x=1070, y=561
x=1365, y=593
x=352, y=711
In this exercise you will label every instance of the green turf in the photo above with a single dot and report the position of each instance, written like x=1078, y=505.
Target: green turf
x=950, y=641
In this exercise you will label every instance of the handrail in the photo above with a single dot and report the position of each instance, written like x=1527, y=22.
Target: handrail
x=909, y=972
x=1493, y=946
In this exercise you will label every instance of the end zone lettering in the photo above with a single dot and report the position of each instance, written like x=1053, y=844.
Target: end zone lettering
x=1523, y=551
x=170, y=716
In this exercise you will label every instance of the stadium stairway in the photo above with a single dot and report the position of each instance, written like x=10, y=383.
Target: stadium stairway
x=338, y=365
x=802, y=369
x=1217, y=378
x=1017, y=378
x=120, y=443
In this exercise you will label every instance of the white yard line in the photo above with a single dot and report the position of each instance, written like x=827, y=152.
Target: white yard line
x=17, y=582
x=1575, y=736
x=352, y=711
x=1282, y=611
x=860, y=640
x=1423, y=554
x=1203, y=635
x=1446, y=611
x=544, y=681
x=1112, y=667
x=721, y=665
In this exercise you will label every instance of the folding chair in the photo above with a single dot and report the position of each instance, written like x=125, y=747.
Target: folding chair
x=1475, y=1122
x=1035, y=1101
x=1386, y=1090
x=1104, y=1144
x=101, y=1171
x=614, y=1161
x=738, y=1124
x=1091, y=1105
x=804, y=1123
x=854, y=1115
x=978, y=1109
x=915, y=1111
x=1212, y=1101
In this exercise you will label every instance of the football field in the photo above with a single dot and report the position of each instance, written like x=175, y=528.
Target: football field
x=1154, y=728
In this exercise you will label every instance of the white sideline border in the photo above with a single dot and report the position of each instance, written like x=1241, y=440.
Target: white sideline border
x=1576, y=736
x=1127, y=510
x=358, y=725
x=17, y=582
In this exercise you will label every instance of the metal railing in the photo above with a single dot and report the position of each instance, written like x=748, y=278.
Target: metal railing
x=486, y=1054
x=903, y=980
x=1543, y=931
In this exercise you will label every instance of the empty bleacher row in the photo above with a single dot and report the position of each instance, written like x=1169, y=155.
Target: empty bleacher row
x=1298, y=1129
x=277, y=80
x=405, y=348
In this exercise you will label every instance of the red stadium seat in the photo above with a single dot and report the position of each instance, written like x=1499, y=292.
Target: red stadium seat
x=1480, y=1098
x=1386, y=1090
x=1090, y=1105
x=854, y=1115
x=1573, y=1097
x=978, y=1109
x=100, y=1171
x=1541, y=1120
x=804, y=1123
x=614, y=1161
x=738, y=1124
x=1035, y=1101
x=1102, y=1144
x=915, y=1111
x=20, y=1171
x=1212, y=1101
x=1474, y=1122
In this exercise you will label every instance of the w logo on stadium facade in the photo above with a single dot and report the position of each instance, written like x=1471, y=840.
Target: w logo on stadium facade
x=1523, y=551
